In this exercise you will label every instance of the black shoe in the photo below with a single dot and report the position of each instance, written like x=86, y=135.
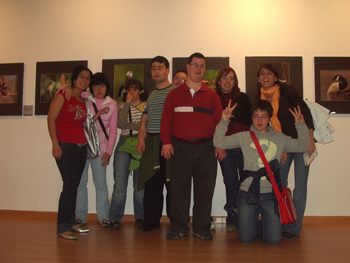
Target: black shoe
x=174, y=235
x=204, y=236
x=114, y=224
x=287, y=235
x=147, y=228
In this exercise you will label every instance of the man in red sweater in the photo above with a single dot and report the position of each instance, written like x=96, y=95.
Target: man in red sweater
x=190, y=115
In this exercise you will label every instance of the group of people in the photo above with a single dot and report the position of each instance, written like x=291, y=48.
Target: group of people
x=176, y=137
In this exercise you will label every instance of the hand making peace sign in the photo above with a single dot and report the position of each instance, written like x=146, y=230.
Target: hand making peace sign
x=227, y=112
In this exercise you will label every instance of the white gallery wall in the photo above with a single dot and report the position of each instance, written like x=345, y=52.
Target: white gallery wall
x=50, y=30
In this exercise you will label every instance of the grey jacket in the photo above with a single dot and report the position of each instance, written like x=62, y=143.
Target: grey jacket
x=272, y=143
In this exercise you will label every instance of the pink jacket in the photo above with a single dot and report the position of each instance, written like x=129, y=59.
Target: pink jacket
x=109, y=120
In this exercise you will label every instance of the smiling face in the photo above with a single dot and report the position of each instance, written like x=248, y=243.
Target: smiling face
x=261, y=120
x=196, y=69
x=227, y=82
x=99, y=91
x=83, y=80
x=159, y=72
x=179, y=78
x=267, y=78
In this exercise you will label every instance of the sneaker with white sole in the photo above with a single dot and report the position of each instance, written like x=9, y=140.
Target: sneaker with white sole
x=174, y=235
x=79, y=222
x=105, y=222
x=212, y=226
x=204, y=236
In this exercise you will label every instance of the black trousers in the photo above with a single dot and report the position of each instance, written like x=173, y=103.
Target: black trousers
x=197, y=163
x=71, y=166
x=153, y=198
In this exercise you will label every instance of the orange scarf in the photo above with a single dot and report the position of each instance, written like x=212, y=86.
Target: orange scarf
x=275, y=93
x=275, y=103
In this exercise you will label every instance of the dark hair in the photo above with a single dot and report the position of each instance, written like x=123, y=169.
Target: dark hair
x=283, y=85
x=77, y=71
x=160, y=59
x=98, y=79
x=262, y=105
x=195, y=55
x=134, y=82
x=235, y=91
x=180, y=70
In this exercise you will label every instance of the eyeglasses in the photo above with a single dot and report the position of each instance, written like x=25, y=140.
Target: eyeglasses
x=179, y=78
x=195, y=65
x=262, y=117
x=157, y=68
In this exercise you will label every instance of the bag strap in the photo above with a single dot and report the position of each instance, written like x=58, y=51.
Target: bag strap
x=100, y=121
x=267, y=166
x=87, y=104
x=130, y=120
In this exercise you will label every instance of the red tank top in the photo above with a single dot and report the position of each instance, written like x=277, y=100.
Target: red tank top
x=69, y=123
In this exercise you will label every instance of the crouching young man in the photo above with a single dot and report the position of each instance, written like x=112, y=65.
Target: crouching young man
x=256, y=195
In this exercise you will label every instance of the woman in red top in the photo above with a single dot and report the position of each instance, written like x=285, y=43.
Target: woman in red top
x=65, y=119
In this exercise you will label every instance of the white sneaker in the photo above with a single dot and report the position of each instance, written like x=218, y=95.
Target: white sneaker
x=212, y=226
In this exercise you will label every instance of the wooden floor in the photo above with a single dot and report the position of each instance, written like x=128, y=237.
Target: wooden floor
x=30, y=237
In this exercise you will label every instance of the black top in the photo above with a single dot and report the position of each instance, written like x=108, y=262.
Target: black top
x=288, y=100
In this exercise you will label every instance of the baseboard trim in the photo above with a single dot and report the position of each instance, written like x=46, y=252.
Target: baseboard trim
x=217, y=219
x=53, y=215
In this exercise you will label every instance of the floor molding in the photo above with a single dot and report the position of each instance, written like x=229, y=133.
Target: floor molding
x=128, y=218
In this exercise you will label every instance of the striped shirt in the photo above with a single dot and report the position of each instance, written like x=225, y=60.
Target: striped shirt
x=136, y=113
x=154, y=110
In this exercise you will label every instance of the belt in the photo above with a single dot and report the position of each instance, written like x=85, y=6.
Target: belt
x=193, y=141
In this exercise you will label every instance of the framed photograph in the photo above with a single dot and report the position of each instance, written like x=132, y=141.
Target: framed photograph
x=290, y=71
x=332, y=83
x=11, y=89
x=48, y=81
x=214, y=64
x=120, y=70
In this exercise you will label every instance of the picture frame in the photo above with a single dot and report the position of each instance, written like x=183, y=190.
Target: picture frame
x=290, y=70
x=48, y=81
x=11, y=89
x=119, y=70
x=213, y=66
x=332, y=80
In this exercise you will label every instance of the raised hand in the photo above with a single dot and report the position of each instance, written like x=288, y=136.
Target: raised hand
x=298, y=117
x=227, y=112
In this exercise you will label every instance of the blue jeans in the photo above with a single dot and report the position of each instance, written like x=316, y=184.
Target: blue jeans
x=232, y=167
x=71, y=166
x=121, y=174
x=269, y=228
x=301, y=174
x=99, y=179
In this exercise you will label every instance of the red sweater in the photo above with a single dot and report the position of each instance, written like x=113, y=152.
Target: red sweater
x=190, y=117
